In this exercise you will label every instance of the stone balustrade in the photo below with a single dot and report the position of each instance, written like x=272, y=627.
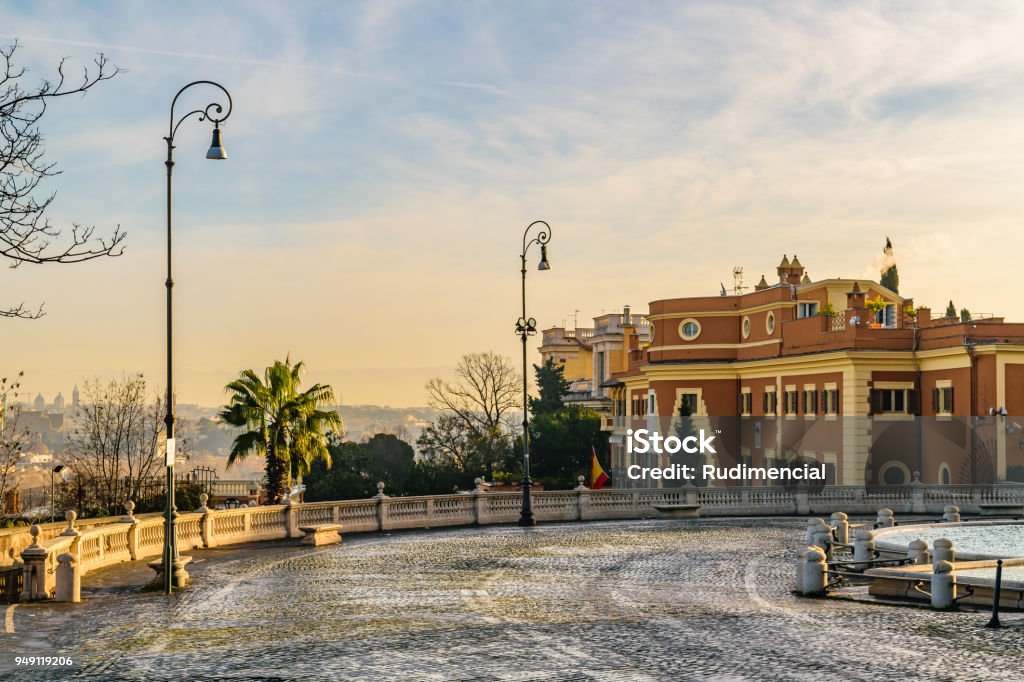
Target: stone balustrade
x=131, y=538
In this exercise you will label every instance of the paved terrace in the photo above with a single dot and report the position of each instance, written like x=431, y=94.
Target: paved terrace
x=705, y=599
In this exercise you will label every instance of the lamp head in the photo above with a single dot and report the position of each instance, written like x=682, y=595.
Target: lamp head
x=216, y=151
x=544, y=264
x=59, y=468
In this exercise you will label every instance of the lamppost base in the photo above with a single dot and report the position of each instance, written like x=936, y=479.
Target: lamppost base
x=179, y=576
x=527, y=520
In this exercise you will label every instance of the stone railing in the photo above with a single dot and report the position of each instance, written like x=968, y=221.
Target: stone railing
x=131, y=538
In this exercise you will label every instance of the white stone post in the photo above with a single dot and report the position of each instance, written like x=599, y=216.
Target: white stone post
x=292, y=518
x=33, y=558
x=942, y=550
x=951, y=513
x=69, y=579
x=129, y=512
x=917, y=505
x=842, y=526
x=803, y=502
x=823, y=540
x=885, y=518
x=812, y=528
x=691, y=493
x=812, y=571
x=917, y=550
x=382, y=507
x=863, y=548
x=943, y=585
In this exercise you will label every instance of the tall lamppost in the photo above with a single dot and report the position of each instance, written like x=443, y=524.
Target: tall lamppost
x=174, y=571
x=527, y=326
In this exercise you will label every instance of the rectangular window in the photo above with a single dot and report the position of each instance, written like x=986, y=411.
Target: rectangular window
x=807, y=309
x=895, y=401
x=830, y=401
x=746, y=403
x=771, y=403
x=811, y=402
x=942, y=400
x=789, y=402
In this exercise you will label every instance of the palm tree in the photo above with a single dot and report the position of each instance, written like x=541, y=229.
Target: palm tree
x=285, y=426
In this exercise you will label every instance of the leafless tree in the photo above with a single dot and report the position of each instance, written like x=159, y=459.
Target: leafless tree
x=115, y=442
x=26, y=235
x=477, y=410
x=12, y=439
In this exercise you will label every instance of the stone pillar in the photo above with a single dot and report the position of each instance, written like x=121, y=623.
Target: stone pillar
x=34, y=577
x=382, y=507
x=691, y=493
x=841, y=525
x=942, y=550
x=812, y=525
x=823, y=540
x=943, y=585
x=918, y=551
x=863, y=548
x=812, y=572
x=951, y=514
x=292, y=521
x=69, y=579
x=802, y=501
x=885, y=518
x=582, y=498
x=205, y=521
x=917, y=495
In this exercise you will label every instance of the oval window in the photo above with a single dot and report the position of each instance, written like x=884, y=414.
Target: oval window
x=894, y=476
x=746, y=327
x=769, y=323
x=689, y=329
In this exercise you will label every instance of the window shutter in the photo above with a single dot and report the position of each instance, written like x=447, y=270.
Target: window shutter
x=875, y=401
x=835, y=400
x=913, y=401
x=764, y=402
x=949, y=399
x=935, y=400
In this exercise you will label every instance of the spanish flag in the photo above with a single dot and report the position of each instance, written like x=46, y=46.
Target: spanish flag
x=598, y=478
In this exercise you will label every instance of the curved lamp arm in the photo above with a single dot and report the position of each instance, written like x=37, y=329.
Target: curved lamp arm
x=542, y=238
x=211, y=112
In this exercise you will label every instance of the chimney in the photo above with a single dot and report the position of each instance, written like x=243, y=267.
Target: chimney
x=783, y=269
x=626, y=320
x=763, y=284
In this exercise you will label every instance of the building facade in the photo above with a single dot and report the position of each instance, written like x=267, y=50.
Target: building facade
x=590, y=356
x=840, y=372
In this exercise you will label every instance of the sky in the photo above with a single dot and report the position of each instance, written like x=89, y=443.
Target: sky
x=386, y=156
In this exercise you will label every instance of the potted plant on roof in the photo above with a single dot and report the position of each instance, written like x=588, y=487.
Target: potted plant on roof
x=875, y=306
x=910, y=312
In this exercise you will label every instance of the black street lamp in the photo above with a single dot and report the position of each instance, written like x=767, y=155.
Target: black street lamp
x=174, y=571
x=527, y=326
x=55, y=470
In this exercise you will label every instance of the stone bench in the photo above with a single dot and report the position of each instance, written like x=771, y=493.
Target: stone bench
x=678, y=511
x=321, y=534
x=1002, y=508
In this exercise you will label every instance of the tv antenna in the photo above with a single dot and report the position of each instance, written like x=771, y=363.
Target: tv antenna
x=737, y=279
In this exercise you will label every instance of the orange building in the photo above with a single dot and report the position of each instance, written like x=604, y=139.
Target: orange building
x=842, y=372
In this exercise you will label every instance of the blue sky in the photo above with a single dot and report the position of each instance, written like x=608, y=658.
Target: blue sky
x=385, y=157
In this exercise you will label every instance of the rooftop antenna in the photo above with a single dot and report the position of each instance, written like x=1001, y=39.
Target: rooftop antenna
x=575, y=318
x=722, y=284
x=737, y=279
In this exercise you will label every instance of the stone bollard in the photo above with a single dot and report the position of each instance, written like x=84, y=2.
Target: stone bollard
x=580, y=485
x=942, y=550
x=951, y=514
x=812, y=527
x=70, y=515
x=823, y=540
x=129, y=512
x=840, y=522
x=34, y=575
x=380, y=491
x=885, y=518
x=863, y=548
x=917, y=550
x=69, y=579
x=203, y=499
x=943, y=585
x=812, y=571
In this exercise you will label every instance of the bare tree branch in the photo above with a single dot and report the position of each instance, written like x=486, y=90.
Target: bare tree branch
x=26, y=234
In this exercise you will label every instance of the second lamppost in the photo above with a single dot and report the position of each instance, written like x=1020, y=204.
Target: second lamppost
x=526, y=327
x=174, y=571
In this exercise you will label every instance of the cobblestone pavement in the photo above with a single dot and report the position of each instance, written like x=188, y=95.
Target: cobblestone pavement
x=636, y=600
